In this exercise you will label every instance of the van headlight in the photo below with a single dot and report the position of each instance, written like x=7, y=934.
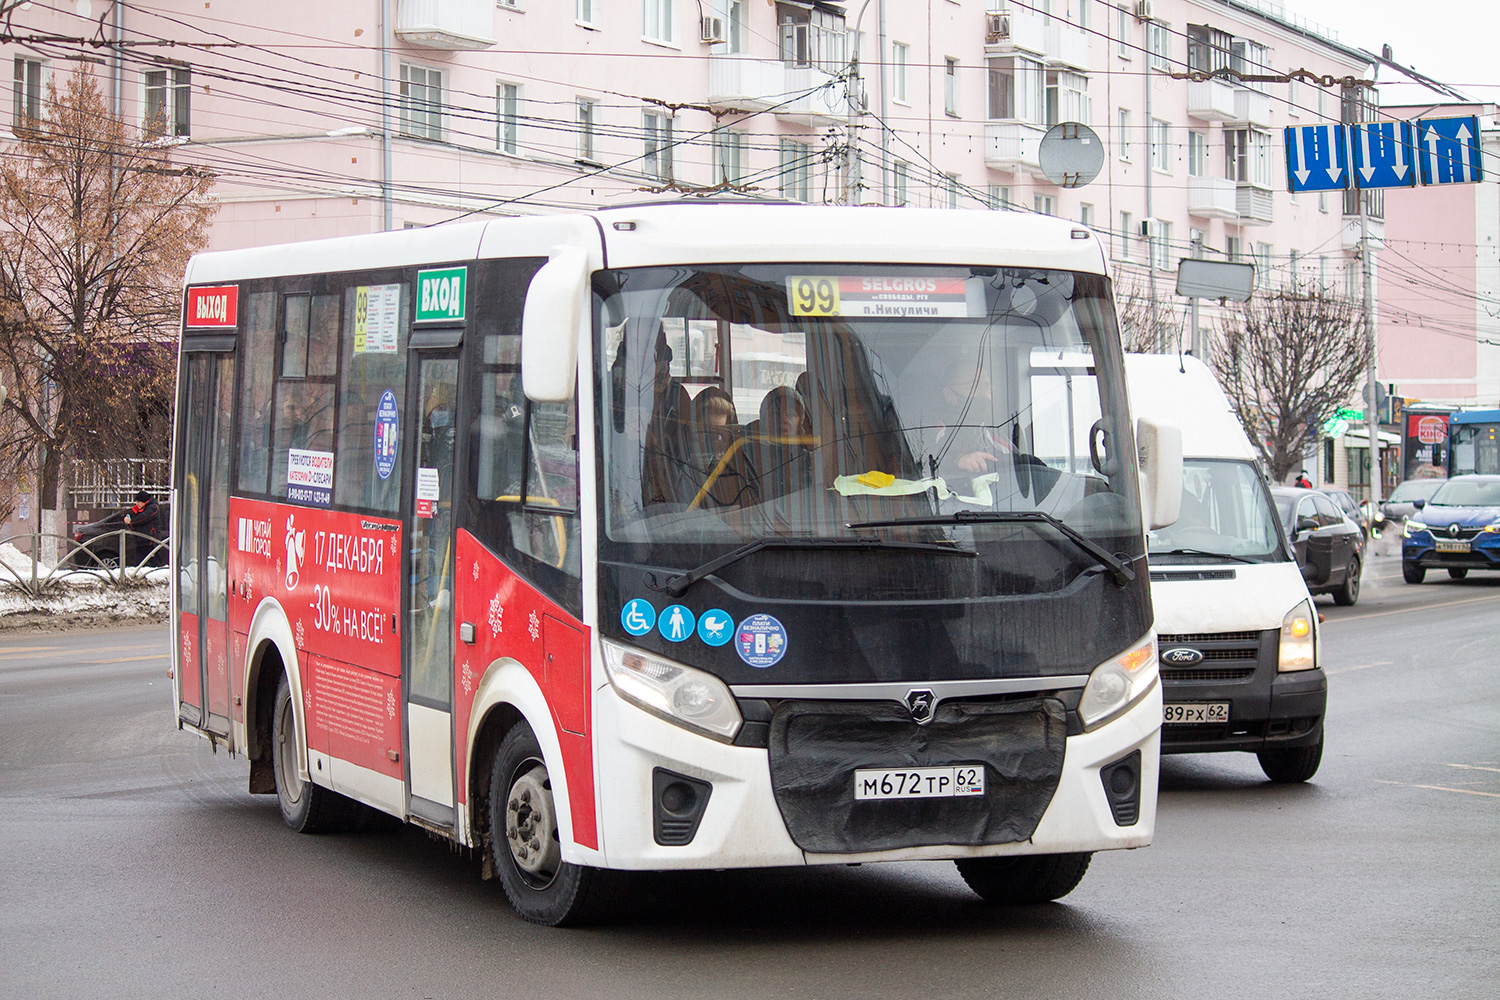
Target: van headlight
x=690, y=698
x=1117, y=684
x=1298, y=639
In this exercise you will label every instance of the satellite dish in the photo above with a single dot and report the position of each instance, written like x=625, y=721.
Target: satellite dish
x=1071, y=154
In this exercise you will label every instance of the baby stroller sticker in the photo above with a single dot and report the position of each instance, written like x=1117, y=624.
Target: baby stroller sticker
x=761, y=641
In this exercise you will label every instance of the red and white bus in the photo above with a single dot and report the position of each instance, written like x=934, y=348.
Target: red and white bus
x=677, y=536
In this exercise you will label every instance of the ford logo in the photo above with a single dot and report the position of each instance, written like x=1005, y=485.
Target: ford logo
x=1181, y=657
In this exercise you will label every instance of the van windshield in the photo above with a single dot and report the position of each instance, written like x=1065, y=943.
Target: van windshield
x=1226, y=511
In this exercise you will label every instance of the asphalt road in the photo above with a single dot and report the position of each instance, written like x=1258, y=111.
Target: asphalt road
x=134, y=863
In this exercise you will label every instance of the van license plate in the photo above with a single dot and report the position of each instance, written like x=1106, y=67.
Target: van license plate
x=1200, y=711
x=1452, y=545
x=919, y=782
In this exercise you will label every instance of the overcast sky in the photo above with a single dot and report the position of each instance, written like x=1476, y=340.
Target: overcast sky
x=1454, y=42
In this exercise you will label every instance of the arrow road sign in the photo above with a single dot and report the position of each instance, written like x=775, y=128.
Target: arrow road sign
x=1448, y=150
x=1383, y=155
x=1317, y=157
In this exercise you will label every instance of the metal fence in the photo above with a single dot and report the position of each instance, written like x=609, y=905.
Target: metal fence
x=114, y=482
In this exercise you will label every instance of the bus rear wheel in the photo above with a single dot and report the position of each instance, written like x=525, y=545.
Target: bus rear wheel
x=306, y=807
x=1024, y=880
x=525, y=846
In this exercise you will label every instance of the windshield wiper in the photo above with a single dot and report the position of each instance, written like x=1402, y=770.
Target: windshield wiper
x=1117, y=567
x=675, y=586
x=1180, y=551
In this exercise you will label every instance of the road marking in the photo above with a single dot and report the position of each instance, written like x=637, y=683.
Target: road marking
x=27, y=649
x=1403, y=611
x=128, y=659
x=1441, y=788
x=1362, y=666
x=1473, y=767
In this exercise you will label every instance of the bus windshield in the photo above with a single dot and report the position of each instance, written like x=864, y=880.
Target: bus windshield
x=832, y=403
x=1226, y=512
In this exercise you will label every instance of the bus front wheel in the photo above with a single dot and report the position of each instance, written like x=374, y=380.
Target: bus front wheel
x=1023, y=880
x=306, y=807
x=525, y=846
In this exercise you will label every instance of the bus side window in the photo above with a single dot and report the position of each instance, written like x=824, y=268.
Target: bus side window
x=258, y=364
x=373, y=351
x=304, y=402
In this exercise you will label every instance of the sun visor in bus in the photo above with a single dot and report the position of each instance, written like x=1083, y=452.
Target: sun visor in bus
x=554, y=310
x=208, y=340
x=818, y=748
x=450, y=336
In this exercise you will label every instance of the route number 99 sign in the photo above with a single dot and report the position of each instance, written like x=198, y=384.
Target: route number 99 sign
x=813, y=296
x=882, y=296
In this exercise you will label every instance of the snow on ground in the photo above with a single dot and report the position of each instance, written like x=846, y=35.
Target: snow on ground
x=78, y=597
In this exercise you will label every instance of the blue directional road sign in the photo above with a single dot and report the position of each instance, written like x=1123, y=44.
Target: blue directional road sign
x=1383, y=155
x=1448, y=150
x=1317, y=157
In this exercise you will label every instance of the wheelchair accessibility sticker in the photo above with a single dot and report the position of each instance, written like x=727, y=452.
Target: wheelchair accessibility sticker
x=638, y=616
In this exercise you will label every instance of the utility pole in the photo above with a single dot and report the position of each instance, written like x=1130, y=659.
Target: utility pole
x=1372, y=414
x=851, y=126
x=388, y=219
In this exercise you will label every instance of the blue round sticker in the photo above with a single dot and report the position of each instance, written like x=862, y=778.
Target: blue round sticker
x=715, y=628
x=387, y=434
x=638, y=616
x=676, y=623
x=760, y=640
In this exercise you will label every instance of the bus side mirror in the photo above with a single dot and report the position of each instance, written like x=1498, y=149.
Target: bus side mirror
x=554, y=310
x=1160, y=449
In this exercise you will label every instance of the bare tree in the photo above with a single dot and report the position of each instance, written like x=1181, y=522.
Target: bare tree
x=96, y=227
x=1140, y=331
x=1289, y=360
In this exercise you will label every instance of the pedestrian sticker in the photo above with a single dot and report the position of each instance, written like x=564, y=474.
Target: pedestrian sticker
x=676, y=623
x=387, y=426
x=715, y=627
x=638, y=616
x=761, y=641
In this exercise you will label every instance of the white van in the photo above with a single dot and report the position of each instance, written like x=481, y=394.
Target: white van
x=1241, y=663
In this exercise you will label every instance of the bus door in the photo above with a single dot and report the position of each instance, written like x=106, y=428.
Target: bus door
x=427, y=640
x=203, y=539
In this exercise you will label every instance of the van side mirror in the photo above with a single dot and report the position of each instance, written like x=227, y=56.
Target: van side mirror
x=1159, y=448
x=555, y=309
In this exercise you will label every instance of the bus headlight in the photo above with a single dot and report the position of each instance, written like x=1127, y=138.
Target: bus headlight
x=1412, y=528
x=1298, y=639
x=672, y=691
x=1117, y=684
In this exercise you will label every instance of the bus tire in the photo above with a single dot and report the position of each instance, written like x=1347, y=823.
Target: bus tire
x=525, y=847
x=1292, y=764
x=305, y=806
x=1024, y=880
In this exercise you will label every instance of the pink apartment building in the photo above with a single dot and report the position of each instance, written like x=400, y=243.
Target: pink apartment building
x=334, y=118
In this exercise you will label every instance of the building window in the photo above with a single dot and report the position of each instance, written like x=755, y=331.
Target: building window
x=169, y=101
x=900, y=61
x=1159, y=43
x=899, y=180
x=27, y=98
x=1000, y=197
x=1161, y=245
x=586, y=12
x=812, y=37
x=508, y=117
x=1209, y=49
x=1197, y=154
x=1126, y=236
x=1294, y=267
x=729, y=157
x=1085, y=14
x=1250, y=58
x=736, y=24
x=1247, y=156
x=1122, y=126
x=1044, y=204
x=952, y=186
x=588, y=112
x=1124, y=19
x=1017, y=89
x=1068, y=98
x=1086, y=215
x=658, y=21
x=1234, y=248
x=1161, y=145
x=796, y=170
x=950, y=86
x=658, y=131
x=421, y=101
x=1263, y=262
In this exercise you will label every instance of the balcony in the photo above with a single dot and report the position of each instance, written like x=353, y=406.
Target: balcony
x=1013, y=146
x=446, y=24
x=1213, y=198
x=1252, y=106
x=1253, y=205
x=1067, y=46
x=1350, y=236
x=1211, y=101
x=1020, y=30
x=761, y=84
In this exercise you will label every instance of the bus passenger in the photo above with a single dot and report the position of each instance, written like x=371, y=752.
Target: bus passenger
x=715, y=426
